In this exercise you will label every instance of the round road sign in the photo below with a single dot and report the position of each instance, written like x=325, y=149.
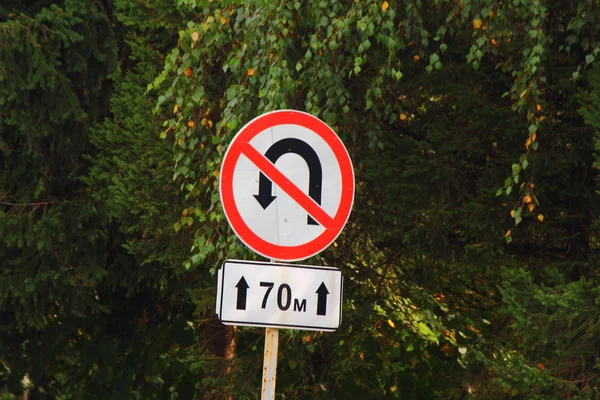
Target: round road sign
x=287, y=185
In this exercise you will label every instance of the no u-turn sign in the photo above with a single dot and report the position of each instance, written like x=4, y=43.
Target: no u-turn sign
x=287, y=185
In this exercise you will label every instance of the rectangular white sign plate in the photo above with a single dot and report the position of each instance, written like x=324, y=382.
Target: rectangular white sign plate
x=288, y=296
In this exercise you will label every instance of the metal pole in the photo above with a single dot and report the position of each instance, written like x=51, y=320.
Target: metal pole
x=270, y=363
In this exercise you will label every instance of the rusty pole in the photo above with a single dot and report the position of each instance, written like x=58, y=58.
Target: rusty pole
x=270, y=363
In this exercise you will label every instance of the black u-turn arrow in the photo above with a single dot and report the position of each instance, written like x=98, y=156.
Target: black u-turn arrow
x=315, y=178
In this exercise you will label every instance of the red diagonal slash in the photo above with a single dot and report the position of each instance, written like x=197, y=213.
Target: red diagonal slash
x=267, y=168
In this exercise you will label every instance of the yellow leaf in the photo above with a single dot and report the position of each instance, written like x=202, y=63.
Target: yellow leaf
x=224, y=21
x=476, y=23
x=175, y=109
x=449, y=334
x=528, y=143
x=523, y=93
x=494, y=42
x=195, y=36
x=403, y=117
x=533, y=136
x=391, y=323
x=491, y=13
x=191, y=124
x=385, y=6
x=306, y=338
x=507, y=234
x=532, y=186
x=538, y=107
x=179, y=141
x=270, y=55
x=187, y=72
x=530, y=207
x=512, y=213
x=250, y=71
x=527, y=199
x=185, y=212
x=416, y=57
x=540, y=217
x=210, y=123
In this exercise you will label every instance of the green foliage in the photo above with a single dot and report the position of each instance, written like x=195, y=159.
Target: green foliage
x=431, y=139
x=51, y=235
x=45, y=99
x=470, y=260
x=91, y=292
x=590, y=111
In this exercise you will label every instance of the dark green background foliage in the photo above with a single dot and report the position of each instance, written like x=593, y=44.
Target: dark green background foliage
x=471, y=256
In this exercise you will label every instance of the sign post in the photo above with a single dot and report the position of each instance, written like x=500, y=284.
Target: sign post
x=270, y=364
x=287, y=188
x=276, y=296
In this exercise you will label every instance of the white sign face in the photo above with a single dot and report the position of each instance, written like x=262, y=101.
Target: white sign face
x=267, y=209
x=287, y=185
x=279, y=295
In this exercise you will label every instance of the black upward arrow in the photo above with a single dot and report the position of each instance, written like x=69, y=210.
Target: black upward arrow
x=315, y=178
x=322, y=293
x=242, y=289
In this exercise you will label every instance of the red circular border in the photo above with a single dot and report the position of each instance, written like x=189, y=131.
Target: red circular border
x=241, y=229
